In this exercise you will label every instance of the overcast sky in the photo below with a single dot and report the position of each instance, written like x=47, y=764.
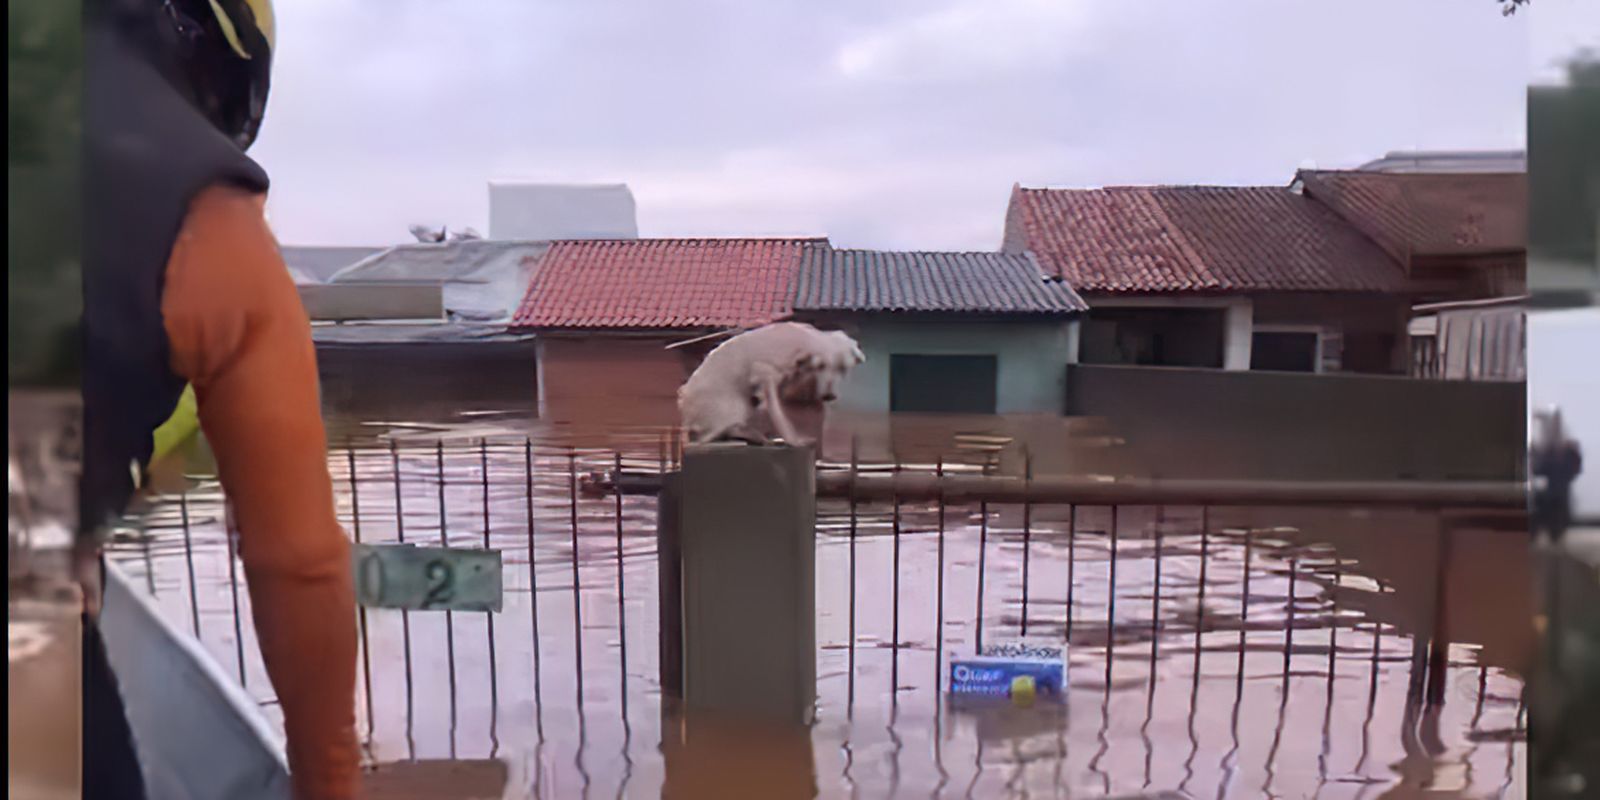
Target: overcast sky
x=892, y=123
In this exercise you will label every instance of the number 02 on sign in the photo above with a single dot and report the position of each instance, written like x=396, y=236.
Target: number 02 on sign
x=427, y=578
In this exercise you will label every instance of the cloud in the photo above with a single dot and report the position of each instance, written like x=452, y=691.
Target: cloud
x=881, y=124
x=967, y=37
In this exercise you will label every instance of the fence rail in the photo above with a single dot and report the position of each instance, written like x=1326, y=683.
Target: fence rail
x=913, y=561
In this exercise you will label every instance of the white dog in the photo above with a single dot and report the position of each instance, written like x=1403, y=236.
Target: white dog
x=742, y=384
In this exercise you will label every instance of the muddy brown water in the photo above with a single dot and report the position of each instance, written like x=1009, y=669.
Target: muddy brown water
x=1212, y=652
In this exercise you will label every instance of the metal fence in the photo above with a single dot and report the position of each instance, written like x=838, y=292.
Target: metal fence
x=932, y=558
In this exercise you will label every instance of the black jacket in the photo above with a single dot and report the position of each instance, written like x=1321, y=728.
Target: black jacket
x=147, y=152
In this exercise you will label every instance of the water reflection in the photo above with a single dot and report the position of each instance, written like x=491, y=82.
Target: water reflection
x=1220, y=652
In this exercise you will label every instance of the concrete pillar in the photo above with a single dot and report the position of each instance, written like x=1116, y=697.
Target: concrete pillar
x=745, y=530
x=1237, y=336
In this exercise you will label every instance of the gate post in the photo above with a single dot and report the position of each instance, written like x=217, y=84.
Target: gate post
x=743, y=522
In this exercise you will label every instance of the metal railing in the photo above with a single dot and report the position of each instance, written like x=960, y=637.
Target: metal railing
x=1111, y=568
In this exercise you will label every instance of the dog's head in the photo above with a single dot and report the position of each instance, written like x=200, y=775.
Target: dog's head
x=816, y=375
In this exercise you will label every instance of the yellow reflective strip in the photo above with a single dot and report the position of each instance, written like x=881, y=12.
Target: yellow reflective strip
x=228, y=31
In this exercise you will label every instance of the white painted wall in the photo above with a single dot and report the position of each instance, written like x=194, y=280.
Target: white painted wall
x=1032, y=356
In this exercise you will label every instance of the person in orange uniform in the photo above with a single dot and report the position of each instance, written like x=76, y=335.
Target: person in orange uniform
x=184, y=285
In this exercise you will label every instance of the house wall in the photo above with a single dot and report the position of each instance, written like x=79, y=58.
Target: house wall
x=1032, y=358
x=1360, y=332
x=606, y=379
x=1236, y=331
x=425, y=380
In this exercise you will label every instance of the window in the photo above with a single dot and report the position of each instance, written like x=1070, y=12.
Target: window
x=1167, y=337
x=943, y=384
x=1285, y=351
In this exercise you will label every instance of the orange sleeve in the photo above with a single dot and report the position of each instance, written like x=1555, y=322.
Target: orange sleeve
x=239, y=334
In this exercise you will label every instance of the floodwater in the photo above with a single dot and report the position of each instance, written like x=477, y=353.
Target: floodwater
x=1212, y=652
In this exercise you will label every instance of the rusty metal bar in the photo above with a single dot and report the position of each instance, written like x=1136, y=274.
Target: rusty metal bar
x=622, y=612
x=405, y=616
x=449, y=617
x=488, y=616
x=577, y=586
x=1072, y=565
x=983, y=552
x=1027, y=535
x=1147, y=491
x=231, y=536
x=938, y=624
x=850, y=674
x=533, y=586
x=188, y=557
x=894, y=635
x=361, y=610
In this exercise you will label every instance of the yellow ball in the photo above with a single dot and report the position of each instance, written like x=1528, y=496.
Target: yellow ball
x=1023, y=690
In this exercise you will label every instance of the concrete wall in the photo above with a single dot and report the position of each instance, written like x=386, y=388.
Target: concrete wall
x=1032, y=358
x=1195, y=423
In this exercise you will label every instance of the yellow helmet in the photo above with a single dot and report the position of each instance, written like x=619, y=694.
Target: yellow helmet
x=225, y=56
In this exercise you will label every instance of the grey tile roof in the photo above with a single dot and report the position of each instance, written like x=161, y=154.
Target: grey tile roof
x=937, y=282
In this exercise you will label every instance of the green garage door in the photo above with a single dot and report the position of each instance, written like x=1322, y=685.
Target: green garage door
x=943, y=384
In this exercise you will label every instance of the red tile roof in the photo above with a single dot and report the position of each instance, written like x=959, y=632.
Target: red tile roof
x=662, y=284
x=1197, y=238
x=1429, y=213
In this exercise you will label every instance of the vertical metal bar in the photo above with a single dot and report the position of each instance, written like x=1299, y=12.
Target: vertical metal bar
x=231, y=535
x=361, y=610
x=488, y=616
x=1288, y=627
x=1244, y=600
x=1027, y=533
x=577, y=595
x=1333, y=628
x=850, y=678
x=894, y=636
x=1333, y=649
x=1372, y=696
x=938, y=624
x=1199, y=651
x=622, y=613
x=983, y=552
x=1111, y=599
x=1072, y=563
x=405, y=616
x=1155, y=596
x=533, y=585
x=188, y=557
x=1439, y=660
x=449, y=617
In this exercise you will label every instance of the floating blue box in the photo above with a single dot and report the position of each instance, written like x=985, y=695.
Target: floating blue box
x=993, y=673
